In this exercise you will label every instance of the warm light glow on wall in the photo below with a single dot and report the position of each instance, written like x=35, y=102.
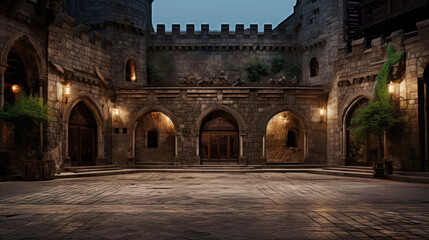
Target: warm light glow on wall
x=322, y=112
x=133, y=77
x=67, y=90
x=15, y=89
x=391, y=88
x=116, y=111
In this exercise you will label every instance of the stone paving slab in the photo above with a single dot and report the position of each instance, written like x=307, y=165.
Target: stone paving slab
x=165, y=205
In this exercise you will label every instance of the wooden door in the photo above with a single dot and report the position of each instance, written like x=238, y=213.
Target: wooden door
x=219, y=147
x=82, y=145
x=82, y=136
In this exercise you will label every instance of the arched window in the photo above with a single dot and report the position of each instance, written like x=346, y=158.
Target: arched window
x=152, y=138
x=131, y=70
x=291, y=138
x=314, y=67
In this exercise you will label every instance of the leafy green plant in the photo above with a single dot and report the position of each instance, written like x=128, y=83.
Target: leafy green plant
x=293, y=69
x=26, y=113
x=255, y=69
x=159, y=70
x=277, y=65
x=380, y=114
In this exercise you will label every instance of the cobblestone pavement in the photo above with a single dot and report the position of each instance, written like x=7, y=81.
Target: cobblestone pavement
x=214, y=206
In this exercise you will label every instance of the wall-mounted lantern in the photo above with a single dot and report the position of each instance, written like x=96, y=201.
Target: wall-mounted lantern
x=322, y=114
x=116, y=112
x=15, y=89
x=67, y=92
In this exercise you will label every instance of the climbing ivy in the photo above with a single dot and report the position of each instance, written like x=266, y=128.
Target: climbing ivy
x=380, y=114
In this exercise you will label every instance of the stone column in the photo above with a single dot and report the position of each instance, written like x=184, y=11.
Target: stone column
x=2, y=71
x=41, y=124
x=305, y=145
x=133, y=144
x=263, y=146
x=426, y=141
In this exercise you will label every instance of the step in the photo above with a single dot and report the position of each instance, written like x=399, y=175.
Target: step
x=288, y=166
x=351, y=169
x=155, y=163
x=81, y=169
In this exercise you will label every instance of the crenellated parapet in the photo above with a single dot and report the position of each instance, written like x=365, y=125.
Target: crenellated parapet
x=226, y=39
x=82, y=32
x=363, y=62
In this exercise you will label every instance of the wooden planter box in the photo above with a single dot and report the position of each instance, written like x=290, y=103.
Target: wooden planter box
x=38, y=170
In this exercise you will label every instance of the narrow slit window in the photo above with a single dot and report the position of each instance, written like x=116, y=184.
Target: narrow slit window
x=314, y=67
x=131, y=70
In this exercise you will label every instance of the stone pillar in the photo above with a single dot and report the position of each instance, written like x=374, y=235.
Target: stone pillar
x=305, y=144
x=41, y=124
x=133, y=144
x=241, y=146
x=176, y=149
x=426, y=140
x=343, y=142
x=263, y=146
x=2, y=71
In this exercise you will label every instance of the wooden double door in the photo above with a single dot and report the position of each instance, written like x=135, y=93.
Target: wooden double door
x=219, y=146
x=82, y=136
x=82, y=145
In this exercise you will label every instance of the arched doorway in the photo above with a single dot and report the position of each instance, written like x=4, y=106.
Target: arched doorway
x=362, y=153
x=285, y=139
x=155, y=139
x=219, y=141
x=82, y=142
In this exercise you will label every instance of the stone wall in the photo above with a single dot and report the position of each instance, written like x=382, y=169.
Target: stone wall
x=93, y=12
x=226, y=50
x=356, y=74
x=78, y=59
x=251, y=107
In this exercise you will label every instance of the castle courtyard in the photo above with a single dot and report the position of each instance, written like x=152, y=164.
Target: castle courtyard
x=214, y=206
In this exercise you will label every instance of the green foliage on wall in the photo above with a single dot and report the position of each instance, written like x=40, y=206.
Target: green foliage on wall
x=380, y=114
x=158, y=71
x=277, y=65
x=293, y=69
x=27, y=112
x=27, y=109
x=256, y=68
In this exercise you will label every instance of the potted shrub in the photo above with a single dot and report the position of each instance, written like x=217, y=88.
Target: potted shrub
x=26, y=114
x=379, y=116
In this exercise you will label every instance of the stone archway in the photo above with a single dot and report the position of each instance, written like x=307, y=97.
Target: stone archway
x=356, y=153
x=301, y=130
x=22, y=72
x=154, y=139
x=219, y=139
x=97, y=115
x=238, y=122
x=285, y=139
x=137, y=124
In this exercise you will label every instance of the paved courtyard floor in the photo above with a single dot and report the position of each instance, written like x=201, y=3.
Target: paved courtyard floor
x=214, y=206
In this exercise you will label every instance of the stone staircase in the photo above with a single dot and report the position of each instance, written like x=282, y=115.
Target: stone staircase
x=85, y=169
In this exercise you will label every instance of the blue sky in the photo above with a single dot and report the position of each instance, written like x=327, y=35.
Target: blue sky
x=217, y=12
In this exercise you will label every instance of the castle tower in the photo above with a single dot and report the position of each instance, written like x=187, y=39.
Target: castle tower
x=126, y=23
x=92, y=12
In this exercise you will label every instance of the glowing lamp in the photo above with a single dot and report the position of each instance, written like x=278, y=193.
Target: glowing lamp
x=67, y=90
x=391, y=87
x=15, y=89
x=116, y=111
x=133, y=77
x=322, y=112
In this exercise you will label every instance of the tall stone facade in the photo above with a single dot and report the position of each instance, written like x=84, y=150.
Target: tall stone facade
x=130, y=77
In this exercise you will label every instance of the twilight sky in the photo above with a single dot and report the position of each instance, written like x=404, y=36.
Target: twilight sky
x=217, y=12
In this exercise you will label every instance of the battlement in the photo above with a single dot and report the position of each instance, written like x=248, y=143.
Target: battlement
x=225, y=39
x=225, y=32
x=398, y=39
x=82, y=32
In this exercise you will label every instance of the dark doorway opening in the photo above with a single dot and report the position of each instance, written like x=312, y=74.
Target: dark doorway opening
x=82, y=136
